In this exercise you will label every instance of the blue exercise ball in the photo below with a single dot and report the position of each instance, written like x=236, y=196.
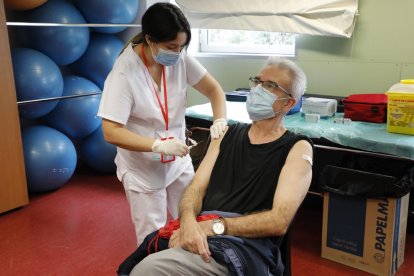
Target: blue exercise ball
x=50, y=158
x=36, y=76
x=97, y=153
x=109, y=12
x=24, y=122
x=76, y=117
x=97, y=61
x=62, y=44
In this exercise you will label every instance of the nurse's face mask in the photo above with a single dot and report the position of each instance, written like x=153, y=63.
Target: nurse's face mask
x=166, y=57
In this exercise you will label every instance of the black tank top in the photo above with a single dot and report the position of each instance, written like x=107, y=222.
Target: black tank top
x=245, y=175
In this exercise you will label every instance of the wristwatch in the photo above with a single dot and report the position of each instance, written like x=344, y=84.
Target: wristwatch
x=218, y=226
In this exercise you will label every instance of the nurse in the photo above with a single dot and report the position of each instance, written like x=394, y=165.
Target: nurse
x=143, y=110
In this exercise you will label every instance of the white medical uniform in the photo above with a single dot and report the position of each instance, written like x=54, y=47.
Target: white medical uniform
x=153, y=188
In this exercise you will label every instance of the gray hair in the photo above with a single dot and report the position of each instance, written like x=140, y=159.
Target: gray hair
x=298, y=81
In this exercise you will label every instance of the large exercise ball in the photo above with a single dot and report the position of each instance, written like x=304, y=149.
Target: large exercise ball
x=97, y=153
x=97, y=61
x=23, y=5
x=36, y=76
x=109, y=12
x=76, y=117
x=62, y=44
x=50, y=158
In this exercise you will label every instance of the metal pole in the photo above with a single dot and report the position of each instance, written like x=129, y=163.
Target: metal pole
x=58, y=98
x=44, y=24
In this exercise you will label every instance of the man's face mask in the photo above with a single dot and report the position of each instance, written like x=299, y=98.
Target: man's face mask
x=259, y=103
x=165, y=57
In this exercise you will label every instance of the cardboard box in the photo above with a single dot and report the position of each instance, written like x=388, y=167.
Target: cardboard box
x=367, y=234
x=325, y=108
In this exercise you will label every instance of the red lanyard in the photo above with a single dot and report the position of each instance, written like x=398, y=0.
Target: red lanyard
x=164, y=110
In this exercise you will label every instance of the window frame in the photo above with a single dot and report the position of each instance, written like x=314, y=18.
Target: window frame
x=199, y=46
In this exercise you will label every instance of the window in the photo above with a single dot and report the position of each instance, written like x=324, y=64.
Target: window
x=236, y=42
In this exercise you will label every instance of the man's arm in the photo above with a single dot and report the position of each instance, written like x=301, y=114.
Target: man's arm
x=190, y=203
x=293, y=184
x=192, y=236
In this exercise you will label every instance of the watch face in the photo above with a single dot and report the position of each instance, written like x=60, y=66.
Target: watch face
x=218, y=227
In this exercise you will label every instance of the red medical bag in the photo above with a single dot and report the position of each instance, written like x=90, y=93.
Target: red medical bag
x=366, y=107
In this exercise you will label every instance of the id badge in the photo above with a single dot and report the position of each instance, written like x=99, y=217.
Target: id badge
x=167, y=158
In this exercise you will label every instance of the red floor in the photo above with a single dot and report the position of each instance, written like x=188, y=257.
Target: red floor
x=84, y=228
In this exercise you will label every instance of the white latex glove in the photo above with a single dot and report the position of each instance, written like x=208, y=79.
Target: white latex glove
x=218, y=127
x=170, y=147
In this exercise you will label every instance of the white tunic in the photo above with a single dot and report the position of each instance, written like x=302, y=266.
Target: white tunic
x=129, y=99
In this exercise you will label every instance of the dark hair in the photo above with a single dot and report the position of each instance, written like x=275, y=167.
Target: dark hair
x=162, y=22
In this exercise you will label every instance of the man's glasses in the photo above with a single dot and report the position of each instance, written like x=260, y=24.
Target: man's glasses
x=268, y=85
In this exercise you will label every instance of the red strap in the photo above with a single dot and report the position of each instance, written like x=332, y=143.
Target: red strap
x=155, y=238
x=164, y=110
x=168, y=229
x=207, y=217
x=172, y=225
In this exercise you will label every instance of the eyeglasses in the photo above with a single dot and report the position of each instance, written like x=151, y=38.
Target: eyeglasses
x=268, y=85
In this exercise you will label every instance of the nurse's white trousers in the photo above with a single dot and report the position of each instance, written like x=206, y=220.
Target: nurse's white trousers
x=150, y=210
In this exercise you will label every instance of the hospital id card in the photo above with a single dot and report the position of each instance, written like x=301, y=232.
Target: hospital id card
x=163, y=157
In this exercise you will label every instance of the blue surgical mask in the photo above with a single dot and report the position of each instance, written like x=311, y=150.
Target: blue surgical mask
x=165, y=57
x=259, y=103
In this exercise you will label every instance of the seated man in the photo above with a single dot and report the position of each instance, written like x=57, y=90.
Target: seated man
x=255, y=177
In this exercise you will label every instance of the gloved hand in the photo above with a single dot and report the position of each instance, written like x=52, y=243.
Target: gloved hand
x=218, y=127
x=170, y=147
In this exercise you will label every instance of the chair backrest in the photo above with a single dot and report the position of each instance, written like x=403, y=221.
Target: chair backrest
x=202, y=136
